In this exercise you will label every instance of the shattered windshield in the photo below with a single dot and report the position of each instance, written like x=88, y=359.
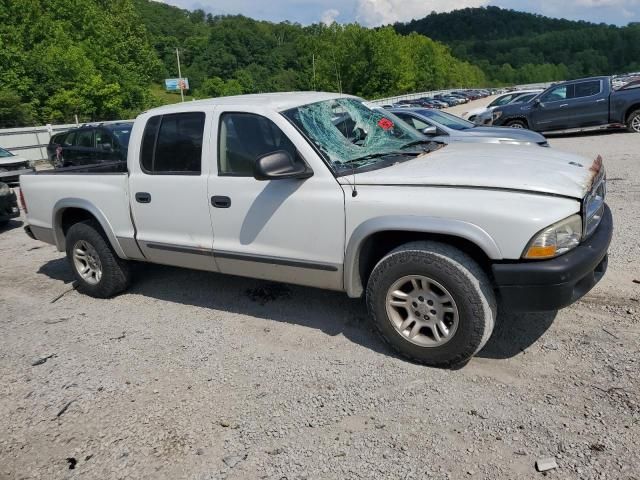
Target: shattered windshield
x=350, y=133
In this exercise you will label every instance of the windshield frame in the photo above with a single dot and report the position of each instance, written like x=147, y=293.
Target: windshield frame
x=392, y=158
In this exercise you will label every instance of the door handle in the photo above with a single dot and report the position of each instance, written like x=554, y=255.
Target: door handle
x=220, y=201
x=601, y=100
x=564, y=105
x=143, y=197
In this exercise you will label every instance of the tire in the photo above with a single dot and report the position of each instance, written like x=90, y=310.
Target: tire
x=517, y=124
x=633, y=122
x=451, y=272
x=115, y=274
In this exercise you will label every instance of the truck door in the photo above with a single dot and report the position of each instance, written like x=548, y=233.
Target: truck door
x=550, y=112
x=168, y=189
x=589, y=106
x=283, y=230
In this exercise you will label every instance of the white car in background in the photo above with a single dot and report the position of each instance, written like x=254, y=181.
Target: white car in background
x=12, y=166
x=497, y=102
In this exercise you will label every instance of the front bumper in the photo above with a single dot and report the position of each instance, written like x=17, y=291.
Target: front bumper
x=554, y=284
x=8, y=207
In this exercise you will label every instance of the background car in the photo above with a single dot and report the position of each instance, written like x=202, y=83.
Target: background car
x=447, y=128
x=437, y=103
x=486, y=118
x=8, y=204
x=12, y=166
x=90, y=144
x=450, y=101
x=497, y=102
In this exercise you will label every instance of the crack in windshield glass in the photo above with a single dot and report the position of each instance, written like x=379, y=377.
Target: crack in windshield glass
x=351, y=133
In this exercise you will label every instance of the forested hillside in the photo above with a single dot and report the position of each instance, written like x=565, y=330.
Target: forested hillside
x=516, y=47
x=64, y=57
x=103, y=59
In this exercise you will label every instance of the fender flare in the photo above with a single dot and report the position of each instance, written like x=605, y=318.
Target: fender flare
x=429, y=225
x=80, y=203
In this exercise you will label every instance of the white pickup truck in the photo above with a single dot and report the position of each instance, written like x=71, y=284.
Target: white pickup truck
x=328, y=191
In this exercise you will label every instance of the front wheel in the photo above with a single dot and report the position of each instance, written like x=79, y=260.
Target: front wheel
x=98, y=270
x=432, y=303
x=516, y=124
x=633, y=122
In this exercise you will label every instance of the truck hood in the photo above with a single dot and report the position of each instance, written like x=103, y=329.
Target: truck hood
x=12, y=160
x=502, y=167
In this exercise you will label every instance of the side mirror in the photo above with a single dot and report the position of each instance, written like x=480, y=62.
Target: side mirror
x=279, y=165
x=538, y=103
x=430, y=131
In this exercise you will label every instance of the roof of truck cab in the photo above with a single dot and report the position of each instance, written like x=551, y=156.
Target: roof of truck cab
x=276, y=101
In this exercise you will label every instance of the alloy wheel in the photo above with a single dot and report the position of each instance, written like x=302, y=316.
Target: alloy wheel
x=422, y=311
x=87, y=262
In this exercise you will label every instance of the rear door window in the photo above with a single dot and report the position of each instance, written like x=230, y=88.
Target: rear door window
x=68, y=139
x=172, y=144
x=103, y=138
x=588, y=89
x=84, y=139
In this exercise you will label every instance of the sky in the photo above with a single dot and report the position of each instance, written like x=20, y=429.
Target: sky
x=380, y=12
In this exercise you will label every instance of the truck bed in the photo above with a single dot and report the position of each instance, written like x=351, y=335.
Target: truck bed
x=101, y=189
x=102, y=168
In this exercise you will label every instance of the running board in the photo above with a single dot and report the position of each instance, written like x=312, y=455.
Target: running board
x=597, y=128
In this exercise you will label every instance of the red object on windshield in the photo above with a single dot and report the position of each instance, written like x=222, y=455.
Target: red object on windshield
x=385, y=124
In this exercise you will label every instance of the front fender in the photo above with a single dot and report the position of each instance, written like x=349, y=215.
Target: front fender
x=409, y=223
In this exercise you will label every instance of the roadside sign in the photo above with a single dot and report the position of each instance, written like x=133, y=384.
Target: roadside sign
x=176, y=84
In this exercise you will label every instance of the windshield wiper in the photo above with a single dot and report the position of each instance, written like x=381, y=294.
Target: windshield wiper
x=379, y=155
x=416, y=142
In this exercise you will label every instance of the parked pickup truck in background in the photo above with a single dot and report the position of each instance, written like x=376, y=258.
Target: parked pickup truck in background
x=329, y=191
x=577, y=105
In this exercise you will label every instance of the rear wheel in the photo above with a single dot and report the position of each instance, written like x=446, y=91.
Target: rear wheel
x=517, y=124
x=98, y=270
x=633, y=122
x=432, y=303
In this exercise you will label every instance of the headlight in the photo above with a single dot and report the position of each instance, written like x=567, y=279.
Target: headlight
x=4, y=189
x=559, y=238
x=593, y=204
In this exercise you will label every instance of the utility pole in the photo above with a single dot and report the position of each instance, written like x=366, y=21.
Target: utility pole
x=180, y=82
x=313, y=59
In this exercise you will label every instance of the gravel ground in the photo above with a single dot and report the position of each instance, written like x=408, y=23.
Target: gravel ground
x=200, y=376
